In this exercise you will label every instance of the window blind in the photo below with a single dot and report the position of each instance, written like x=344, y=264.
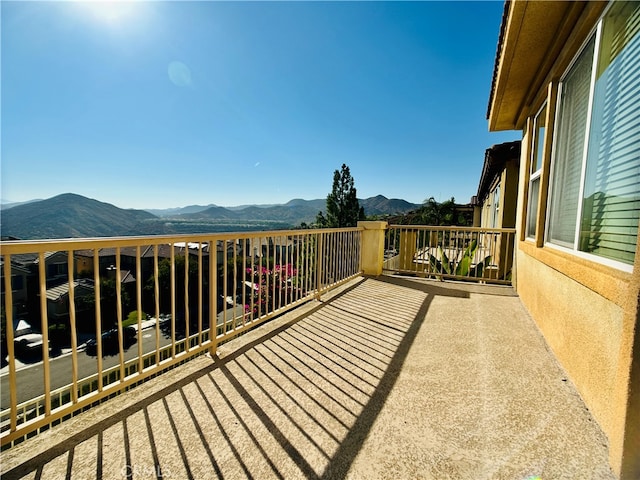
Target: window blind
x=611, y=200
x=534, y=194
x=569, y=157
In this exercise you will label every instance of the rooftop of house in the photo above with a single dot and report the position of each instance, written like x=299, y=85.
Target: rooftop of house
x=60, y=291
x=535, y=38
x=495, y=159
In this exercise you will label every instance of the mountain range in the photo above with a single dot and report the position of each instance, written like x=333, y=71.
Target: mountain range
x=74, y=216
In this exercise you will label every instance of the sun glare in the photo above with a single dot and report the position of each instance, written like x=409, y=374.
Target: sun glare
x=112, y=13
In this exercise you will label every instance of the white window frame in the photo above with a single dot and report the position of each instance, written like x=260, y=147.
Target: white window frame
x=597, y=31
x=533, y=176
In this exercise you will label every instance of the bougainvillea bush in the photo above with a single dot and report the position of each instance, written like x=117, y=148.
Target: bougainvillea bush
x=273, y=288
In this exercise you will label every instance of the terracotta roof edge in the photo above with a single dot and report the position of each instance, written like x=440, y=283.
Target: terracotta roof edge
x=496, y=63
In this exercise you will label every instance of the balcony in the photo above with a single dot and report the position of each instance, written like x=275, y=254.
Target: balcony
x=346, y=374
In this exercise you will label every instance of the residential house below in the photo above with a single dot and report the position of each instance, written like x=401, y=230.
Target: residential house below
x=495, y=203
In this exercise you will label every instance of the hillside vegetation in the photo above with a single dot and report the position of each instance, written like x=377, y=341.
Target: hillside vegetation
x=74, y=216
x=71, y=216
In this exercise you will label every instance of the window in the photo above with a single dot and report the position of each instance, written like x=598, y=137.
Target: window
x=570, y=150
x=595, y=196
x=56, y=270
x=536, y=169
x=17, y=282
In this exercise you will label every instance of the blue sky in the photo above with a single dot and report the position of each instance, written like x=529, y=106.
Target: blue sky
x=167, y=104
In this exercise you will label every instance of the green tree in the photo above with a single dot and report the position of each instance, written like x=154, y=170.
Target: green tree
x=164, y=281
x=109, y=302
x=343, y=209
x=445, y=213
x=429, y=213
x=321, y=220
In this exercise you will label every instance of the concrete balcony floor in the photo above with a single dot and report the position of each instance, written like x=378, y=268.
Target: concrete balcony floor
x=388, y=377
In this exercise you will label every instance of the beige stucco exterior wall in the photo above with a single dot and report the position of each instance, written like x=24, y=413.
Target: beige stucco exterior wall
x=486, y=209
x=582, y=328
x=508, y=184
x=84, y=265
x=509, y=194
x=630, y=463
x=477, y=215
x=628, y=385
x=588, y=314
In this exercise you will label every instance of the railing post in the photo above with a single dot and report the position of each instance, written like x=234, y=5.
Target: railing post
x=213, y=292
x=507, y=243
x=407, y=250
x=372, y=246
x=319, y=261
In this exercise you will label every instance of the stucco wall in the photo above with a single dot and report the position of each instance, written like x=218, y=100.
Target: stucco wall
x=582, y=328
x=586, y=314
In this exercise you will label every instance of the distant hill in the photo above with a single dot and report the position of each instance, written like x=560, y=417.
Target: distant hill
x=172, y=212
x=259, y=205
x=319, y=204
x=71, y=216
x=289, y=215
x=296, y=211
x=167, y=212
x=378, y=205
x=5, y=204
x=381, y=205
x=217, y=213
x=74, y=216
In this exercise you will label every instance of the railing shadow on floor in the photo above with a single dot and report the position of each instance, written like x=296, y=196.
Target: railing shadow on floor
x=297, y=401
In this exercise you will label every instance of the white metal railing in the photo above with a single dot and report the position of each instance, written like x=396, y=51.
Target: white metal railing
x=157, y=300
x=462, y=253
